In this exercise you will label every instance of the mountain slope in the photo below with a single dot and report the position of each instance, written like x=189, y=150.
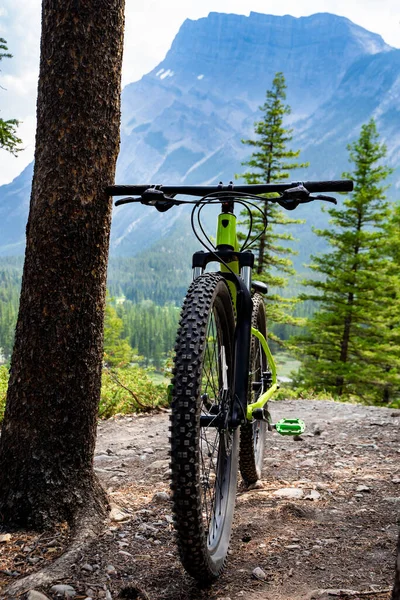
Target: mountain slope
x=184, y=121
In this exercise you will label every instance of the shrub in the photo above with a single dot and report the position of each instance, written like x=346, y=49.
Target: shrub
x=3, y=390
x=130, y=390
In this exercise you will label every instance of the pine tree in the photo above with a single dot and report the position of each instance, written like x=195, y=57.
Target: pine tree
x=8, y=137
x=117, y=351
x=387, y=343
x=347, y=349
x=270, y=161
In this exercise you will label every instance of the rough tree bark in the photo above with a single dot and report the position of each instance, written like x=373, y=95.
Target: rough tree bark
x=396, y=587
x=48, y=436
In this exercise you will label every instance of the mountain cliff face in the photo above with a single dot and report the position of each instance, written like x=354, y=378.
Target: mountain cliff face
x=184, y=121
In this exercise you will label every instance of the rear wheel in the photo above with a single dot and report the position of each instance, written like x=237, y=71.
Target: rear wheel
x=252, y=434
x=204, y=450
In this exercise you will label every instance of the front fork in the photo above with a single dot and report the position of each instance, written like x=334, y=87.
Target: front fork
x=240, y=289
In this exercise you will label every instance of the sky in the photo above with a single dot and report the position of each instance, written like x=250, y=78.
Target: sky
x=150, y=27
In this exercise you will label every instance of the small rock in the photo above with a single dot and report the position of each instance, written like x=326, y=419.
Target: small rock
x=111, y=570
x=259, y=574
x=158, y=464
x=293, y=547
x=65, y=591
x=35, y=595
x=117, y=515
x=326, y=594
x=313, y=495
x=323, y=486
x=316, y=429
x=396, y=480
x=87, y=567
x=146, y=528
x=160, y=497
x=5, y=537
x=108, y=595
x=309, y=462
x=292, y=493
x=258, y=485
x=391, y=499
x=363, y=488
x=148, y=451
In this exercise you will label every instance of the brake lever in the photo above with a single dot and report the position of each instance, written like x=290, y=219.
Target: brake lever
x=291, y=198
x=157, y=198
x=126, y=201
x=326, y=198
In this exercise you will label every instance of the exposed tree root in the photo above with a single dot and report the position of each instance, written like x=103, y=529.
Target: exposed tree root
x=89, y=523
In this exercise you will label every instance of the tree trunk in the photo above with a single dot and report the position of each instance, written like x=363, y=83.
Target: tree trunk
x=396, y=588
x=48, y=436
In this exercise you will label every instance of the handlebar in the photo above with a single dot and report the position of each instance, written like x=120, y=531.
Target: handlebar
x=162, y=197
x=344, y=185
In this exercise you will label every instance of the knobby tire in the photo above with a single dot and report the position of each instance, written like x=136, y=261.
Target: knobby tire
x=204, y=459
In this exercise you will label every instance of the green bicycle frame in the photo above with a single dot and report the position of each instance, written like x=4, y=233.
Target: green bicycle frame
x=227, y=236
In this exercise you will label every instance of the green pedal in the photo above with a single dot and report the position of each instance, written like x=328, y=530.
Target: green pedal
x=290, y=426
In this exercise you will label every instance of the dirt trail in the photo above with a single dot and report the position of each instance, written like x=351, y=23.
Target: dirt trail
x=340, y=534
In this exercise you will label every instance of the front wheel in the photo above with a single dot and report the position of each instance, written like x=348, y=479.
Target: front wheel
x=252, y=434
x=204, y=449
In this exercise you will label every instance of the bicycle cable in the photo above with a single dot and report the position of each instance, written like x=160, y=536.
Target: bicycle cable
x=217, y=198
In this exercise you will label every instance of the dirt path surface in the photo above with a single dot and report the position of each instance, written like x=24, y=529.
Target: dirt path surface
x=338, y=531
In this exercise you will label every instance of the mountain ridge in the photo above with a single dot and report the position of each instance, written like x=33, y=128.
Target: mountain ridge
x=183, y=121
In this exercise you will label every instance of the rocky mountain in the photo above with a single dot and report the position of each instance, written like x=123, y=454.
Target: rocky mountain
x=184, y=121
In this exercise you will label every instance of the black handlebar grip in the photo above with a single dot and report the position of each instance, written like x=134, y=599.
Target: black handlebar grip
x=343, y=185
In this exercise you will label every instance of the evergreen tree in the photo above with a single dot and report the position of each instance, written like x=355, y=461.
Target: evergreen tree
x=117, y=351
x=270, y=161
x=349, y=346
x=8, y=138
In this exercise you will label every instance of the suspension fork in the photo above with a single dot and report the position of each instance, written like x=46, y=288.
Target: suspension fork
x=238, y=276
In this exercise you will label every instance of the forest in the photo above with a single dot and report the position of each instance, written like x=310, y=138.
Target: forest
x=338, y=323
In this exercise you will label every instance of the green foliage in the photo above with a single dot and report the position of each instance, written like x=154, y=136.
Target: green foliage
x=151, y=329
x=117, y=351
x=8, y=129
x=123, y=391
x=10, y=282
x=148, y=328
x=130, y=390
x=270, y=161
x=161, y=273
x=3, y=390
x=352, y=348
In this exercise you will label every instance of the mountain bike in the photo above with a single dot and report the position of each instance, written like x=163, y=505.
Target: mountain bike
x=224, y=373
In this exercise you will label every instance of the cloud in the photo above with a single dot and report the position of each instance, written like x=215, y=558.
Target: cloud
x=151, y=26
